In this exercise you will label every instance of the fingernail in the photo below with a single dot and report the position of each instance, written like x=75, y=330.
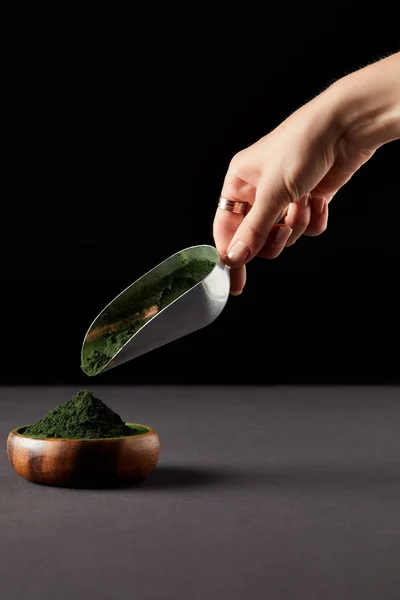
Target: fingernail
x=319, y=204
x=303, y=201
x=238, y=254
x=236, y=292
x=280, y=236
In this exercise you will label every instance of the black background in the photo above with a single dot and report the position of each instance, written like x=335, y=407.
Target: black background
x=117, y=130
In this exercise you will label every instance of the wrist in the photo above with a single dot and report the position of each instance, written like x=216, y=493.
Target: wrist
x=366, y=104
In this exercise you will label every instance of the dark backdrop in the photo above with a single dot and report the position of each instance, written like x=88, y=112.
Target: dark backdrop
x=117, y=130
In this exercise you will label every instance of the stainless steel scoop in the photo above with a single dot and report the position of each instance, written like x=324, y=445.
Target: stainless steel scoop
x=153, y=325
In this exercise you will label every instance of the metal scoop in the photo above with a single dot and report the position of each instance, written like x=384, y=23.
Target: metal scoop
x=182, y=294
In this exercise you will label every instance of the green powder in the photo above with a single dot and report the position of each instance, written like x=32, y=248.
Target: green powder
x=149, y=300
x=82, y=417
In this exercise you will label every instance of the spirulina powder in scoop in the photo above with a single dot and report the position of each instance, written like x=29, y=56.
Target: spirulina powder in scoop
x=82, y=417
x=140, y=307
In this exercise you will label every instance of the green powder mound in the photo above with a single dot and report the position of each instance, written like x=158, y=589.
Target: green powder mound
x=82, y=417
x=135, y=314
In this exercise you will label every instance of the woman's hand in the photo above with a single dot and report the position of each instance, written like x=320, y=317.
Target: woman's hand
x=288, y=177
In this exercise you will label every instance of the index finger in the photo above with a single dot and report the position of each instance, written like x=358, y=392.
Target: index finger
x=224, y=228
x=226, y=222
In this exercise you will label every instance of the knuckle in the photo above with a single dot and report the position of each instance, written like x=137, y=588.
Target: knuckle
x=292, y=190
x=235, y=161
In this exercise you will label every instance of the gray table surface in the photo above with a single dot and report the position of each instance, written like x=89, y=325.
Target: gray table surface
x=289, y=493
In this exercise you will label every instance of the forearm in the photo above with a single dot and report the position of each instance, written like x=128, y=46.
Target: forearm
x=367, y=103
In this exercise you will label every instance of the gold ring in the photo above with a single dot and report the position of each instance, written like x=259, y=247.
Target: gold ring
x=232, y=205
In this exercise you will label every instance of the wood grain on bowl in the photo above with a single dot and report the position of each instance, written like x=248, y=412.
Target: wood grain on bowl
x=64, y=462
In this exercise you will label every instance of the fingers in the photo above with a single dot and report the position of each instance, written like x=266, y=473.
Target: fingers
x=298, y=218
x=225, y=226
x=308, y=216
x=236, y=188
x=276, y=241
x=319, y=216
x=226, y=223
x=304, y=217
x=238, y=280
x=258, y=231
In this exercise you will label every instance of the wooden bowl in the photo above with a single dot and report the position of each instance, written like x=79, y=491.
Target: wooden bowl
x=83, y=463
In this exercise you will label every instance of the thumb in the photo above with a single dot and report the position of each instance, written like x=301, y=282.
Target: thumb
x=258, y=227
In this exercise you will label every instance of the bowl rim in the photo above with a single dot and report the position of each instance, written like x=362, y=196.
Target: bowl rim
x=149, y=431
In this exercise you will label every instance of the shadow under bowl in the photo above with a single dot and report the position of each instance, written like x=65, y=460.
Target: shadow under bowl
x=84, y=462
